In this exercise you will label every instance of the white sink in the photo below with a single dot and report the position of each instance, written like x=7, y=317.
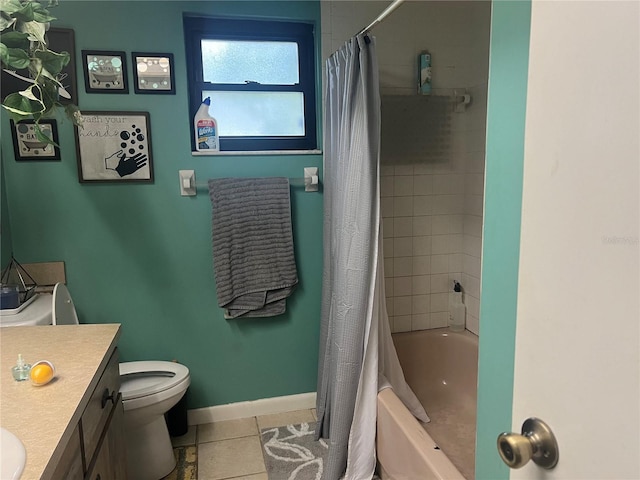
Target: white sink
x=12, y=456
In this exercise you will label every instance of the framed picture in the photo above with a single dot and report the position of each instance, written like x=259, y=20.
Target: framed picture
x=27, y=145
x=153, y=73
x=105, y=72
x=60, y=40
x=114, y=147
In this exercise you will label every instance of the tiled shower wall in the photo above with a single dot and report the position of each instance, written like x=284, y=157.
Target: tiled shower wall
x=432, y=157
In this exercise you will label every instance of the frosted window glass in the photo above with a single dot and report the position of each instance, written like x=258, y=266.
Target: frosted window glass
x=233, y=61
x=257, y=114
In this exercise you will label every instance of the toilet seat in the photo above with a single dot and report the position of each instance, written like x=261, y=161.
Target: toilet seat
x=64, y=312
x=141, y=379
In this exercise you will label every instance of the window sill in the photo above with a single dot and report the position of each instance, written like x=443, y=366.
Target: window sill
x=256, y=152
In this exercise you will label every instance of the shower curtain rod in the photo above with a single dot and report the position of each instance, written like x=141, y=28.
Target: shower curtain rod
x=387, y=11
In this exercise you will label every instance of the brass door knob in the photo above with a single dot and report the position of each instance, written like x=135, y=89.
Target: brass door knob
x=536, y=443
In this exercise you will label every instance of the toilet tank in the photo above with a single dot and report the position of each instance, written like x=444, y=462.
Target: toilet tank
x=36, y=311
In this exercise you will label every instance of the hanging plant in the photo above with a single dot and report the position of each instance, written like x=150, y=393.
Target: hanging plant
x=23, y=46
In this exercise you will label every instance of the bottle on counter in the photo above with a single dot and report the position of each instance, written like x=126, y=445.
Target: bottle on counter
x=21, y=369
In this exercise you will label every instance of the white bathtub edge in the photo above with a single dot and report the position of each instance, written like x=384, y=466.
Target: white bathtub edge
x=405, y=450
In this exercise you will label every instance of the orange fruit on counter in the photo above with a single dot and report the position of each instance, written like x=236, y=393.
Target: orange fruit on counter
x=41, y=373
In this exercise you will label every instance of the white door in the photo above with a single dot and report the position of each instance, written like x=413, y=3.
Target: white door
x=577, y=364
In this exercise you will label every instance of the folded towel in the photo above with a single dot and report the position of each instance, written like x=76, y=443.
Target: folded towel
x=253, y=258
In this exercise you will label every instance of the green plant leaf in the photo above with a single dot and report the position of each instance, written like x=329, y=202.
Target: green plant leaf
x=10, y=6
x=74, y=114
x=42, y=137
x=15, y=39
x=25, y=14
x=35, y=30
x=52, y=62
x=21, y=107
x=15, y=58
x=6, y=22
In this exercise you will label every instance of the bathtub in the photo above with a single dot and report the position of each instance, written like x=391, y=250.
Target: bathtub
x=442, y=368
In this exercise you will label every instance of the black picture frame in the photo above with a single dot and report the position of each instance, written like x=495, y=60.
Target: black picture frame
x=27, y=147
x=105, y=71
x=114, y=147
x=59, y=40
x=153, y=73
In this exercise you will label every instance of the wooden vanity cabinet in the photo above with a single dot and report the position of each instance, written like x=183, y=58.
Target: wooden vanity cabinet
x=97, y=450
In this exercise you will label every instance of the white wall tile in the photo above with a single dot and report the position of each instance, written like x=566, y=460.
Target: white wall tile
x=473, y=205
x=473, y=225
x=473, y=324
x=403, y=226
x=402, y=286
x=440, y=244
x=471, y=265
x=422, y=205
x=423, y=184
x=455, y=262
x=422, y=245
x=403, y=170
x=420, y=303
x=386, y=186
x=386, y=207
x=387, y=247
x=421, y=284
x=387, y=170
x=471, y=285
x=440, y=283
x=448, y=204
x=422, y=225
x=402, y=305
x=473, y=306
x=422, y=265
x=403, y=267
x=403, y=206
x=439, y=264
x=472, y=246
x=403, y=247
x=474, y=184
x=387, y=227
x=388, y=286
x=439, y=302
x=439, y=319
x=402, y=323
x=456, y=223
x=420, y=321
x=440, y=224
x=403, y=185
x=388, y=267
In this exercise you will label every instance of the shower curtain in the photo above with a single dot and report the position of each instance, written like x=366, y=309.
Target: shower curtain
x=357, y=356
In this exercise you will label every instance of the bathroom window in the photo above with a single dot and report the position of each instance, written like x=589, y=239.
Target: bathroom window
x=260, y=76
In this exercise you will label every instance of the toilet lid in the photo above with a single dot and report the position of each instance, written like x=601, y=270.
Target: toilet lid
x=139, y=379
x=64, y=312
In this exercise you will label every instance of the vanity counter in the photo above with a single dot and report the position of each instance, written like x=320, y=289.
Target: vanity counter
x=45, y=418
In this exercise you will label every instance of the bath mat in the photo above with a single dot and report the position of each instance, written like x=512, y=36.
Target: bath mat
x=291, y=453
x=186, y=464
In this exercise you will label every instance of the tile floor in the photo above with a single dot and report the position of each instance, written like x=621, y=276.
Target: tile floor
x=231, y=449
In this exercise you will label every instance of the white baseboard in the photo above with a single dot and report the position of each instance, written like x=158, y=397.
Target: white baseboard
x=264, y=406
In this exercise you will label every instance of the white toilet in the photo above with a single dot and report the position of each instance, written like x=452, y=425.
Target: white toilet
x=149, y=389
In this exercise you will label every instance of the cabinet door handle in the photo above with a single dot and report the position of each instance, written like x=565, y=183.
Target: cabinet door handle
x=106, y=397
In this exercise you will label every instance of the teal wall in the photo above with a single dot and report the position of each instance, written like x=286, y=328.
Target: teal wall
x=140, y=255
x=6, y=245
x=508, y=69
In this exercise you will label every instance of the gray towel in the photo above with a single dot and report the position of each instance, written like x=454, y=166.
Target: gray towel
x=255, y=269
